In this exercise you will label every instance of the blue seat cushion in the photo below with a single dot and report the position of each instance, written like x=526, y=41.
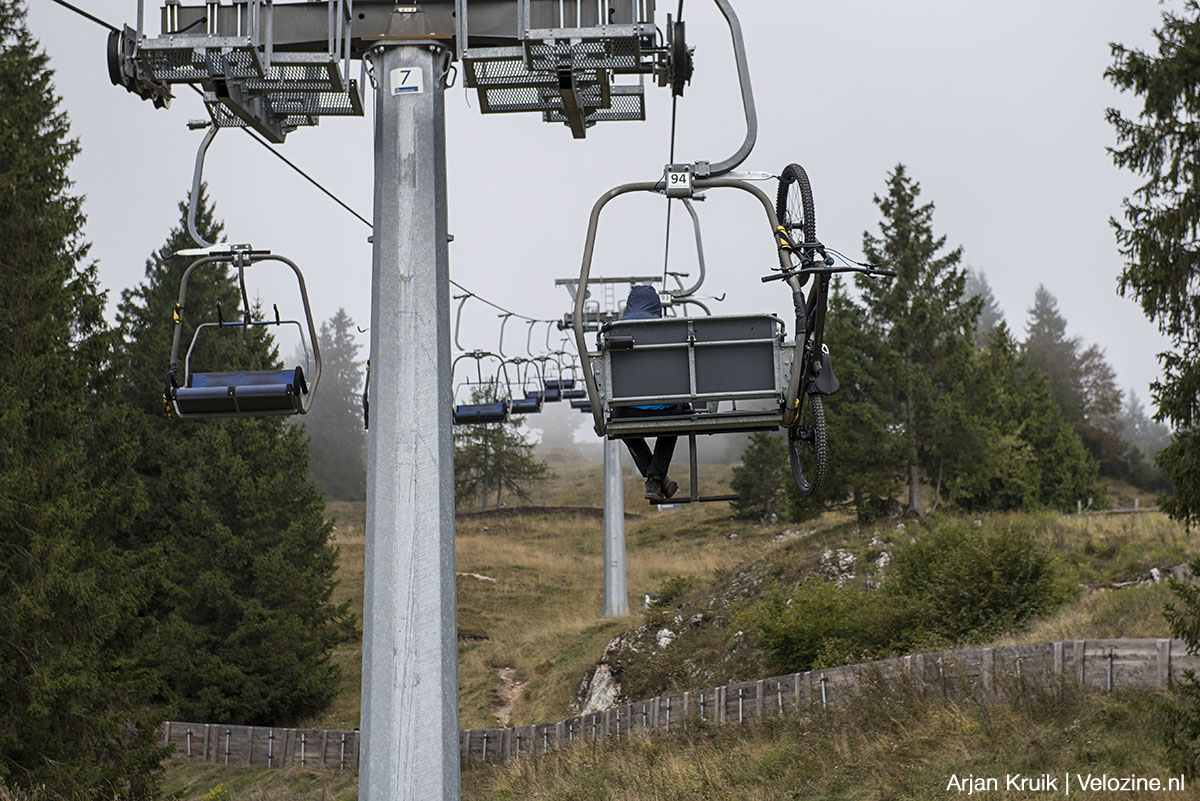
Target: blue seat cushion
x=583, y=405
x=481, y=412
x=526, y=405
x=242, y=392
x=546, y=396
x=575, y=394
x=561, y=383
x=293, y=378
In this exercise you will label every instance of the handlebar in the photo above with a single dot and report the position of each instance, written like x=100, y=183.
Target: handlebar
x=827, y=270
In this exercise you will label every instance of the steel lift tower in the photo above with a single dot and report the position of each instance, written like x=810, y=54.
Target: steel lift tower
x=273, y=67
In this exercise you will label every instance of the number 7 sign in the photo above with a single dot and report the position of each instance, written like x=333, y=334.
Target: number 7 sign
x=407, y=81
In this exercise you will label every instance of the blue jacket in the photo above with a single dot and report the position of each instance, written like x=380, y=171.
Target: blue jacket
x=643, y=304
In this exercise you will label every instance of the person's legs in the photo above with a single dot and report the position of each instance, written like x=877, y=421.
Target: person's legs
x=654, y=466
x=664, y=449
x=640, y=452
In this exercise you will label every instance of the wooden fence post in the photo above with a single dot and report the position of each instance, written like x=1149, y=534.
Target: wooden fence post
x=1163, y=647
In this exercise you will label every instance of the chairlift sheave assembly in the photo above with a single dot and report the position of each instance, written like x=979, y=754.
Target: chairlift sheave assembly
x=241, y=393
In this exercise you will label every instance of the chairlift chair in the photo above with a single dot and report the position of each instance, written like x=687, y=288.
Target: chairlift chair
x=241, y=393
x=532, y=401
x=734, y=372
x=492, y=411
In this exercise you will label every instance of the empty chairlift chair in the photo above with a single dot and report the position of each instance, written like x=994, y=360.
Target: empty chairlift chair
x=241, y=393
x=531, y=375
x=490, y=408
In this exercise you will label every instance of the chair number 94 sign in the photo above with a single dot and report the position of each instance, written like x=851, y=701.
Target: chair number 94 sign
x=679, y=181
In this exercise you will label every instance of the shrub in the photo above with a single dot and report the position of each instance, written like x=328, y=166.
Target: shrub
x=954, y=583
x=966, y=582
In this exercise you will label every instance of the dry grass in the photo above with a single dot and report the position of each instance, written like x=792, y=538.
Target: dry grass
x=540, y=617
x=1102, y=614
x=539, y=621
x=196, y=781
x=900, y=747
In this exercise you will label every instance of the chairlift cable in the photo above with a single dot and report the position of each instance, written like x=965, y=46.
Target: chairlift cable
x=317, y=183
x=671, y=160
x=297, y=168
x=87, y=16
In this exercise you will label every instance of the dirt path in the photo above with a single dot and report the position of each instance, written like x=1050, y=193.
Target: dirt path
x=510, y=692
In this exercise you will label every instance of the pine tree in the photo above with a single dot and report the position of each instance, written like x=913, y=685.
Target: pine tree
x=1101, y=399
x=337, y=440
x=1138, y=430
x=244, y=624
x=921, y=328
x=1047, y=348
x=490, y=458
x=74, y=712
x=990, y=313
x=762, y=478
x=1160, y=227
x=1020, y=451
x=867, y=454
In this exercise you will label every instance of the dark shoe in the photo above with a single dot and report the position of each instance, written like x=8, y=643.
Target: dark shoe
x=654, y=490
x=669, y=487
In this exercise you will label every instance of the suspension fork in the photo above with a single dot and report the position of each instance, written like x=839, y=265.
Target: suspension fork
x=818, y=304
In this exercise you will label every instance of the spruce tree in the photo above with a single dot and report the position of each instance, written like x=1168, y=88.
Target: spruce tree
x=1161, y=223
x=921, y=328
x=490, y=458
x=244, y=624
x=75, y=717
x=1101, y=425
x=762, y=478
x=1047, y=348
x=866, y=453
x=337, y=440
x=990, y=313
x=1021, y=451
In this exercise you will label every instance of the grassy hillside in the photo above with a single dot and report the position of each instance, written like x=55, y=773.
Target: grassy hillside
x=530, y=594
x=884, y=747
x=531, y=591
x=895, y=746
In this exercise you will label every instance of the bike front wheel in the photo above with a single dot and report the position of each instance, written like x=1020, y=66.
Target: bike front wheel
x=794, y=205
x=808, y=445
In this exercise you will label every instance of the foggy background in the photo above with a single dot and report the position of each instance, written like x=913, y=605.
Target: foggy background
x=996, y=108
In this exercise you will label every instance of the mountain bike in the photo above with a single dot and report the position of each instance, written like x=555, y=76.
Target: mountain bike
x=808, y=432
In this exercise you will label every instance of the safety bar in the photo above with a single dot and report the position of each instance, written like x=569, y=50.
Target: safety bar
x=241, y=259
x=678, y=294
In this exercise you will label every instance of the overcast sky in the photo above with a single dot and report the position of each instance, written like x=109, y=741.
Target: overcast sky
x=996, y=108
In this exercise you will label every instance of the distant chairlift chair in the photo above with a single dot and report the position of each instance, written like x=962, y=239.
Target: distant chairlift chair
x=531, y=375
x=491, y=411
x=240, y=393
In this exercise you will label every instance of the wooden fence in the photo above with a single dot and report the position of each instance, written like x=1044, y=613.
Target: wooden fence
x=1102, y=665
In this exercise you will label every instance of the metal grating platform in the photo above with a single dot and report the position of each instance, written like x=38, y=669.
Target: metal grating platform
x=316, y=104
x=168, y=61
x=559, y=49
x=314, y=77
x=505, y=68
x=510, y=99
x=627, y=104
